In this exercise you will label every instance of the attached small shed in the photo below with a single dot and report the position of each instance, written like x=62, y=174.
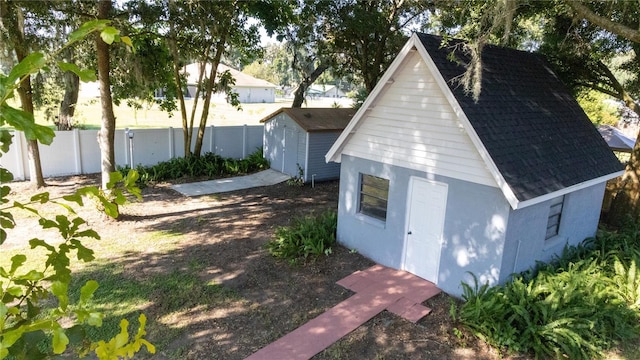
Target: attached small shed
x=298, y=138
x=442, y=186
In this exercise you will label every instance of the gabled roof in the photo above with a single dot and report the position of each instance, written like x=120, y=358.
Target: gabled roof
x=616, y=139
x=317, y=119
x=532, y=135
x=242, y=79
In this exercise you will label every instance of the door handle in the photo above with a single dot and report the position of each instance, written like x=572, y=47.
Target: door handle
x=409, y=233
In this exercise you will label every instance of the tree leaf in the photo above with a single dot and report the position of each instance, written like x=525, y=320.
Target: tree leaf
x=95, y=319
x=85, y=254
x=16, y=291
x=86, y=292
x=89, y=233
x=5, y=142
x=127, y=41
x=48, y=224
x=24, y=121
x=109, y=34
x=38, y=242
x=86, y=75
x=61, y=291
x=60, y=340
x=41, y=198
x=76, y=198
x=87, y=28
x=6, y=220
x=32, y=275
x=4, y=190
x=110, y=208
x=29, y=65
x=16, y=262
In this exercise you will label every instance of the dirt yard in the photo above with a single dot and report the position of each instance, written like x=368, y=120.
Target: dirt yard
x=222, y=236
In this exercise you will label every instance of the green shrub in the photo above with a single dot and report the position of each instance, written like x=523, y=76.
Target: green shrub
x=209, y=165
x=582, y=303
x=307, y=235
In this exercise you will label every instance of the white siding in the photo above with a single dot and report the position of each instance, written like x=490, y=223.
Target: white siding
x=412, y=125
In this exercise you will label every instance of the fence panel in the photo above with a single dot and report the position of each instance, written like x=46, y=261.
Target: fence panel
x=77, y=152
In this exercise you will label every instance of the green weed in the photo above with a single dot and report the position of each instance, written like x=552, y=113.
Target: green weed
x=306, y=236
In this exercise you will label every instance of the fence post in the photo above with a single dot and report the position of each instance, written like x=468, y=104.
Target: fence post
x=212, y=138
x=77, y=151
x=172, y=150
x=244, y=141
x=21, y=175
x=127, y=156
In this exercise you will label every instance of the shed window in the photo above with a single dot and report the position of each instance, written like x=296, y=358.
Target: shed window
x=374, y=193
x=555, y=215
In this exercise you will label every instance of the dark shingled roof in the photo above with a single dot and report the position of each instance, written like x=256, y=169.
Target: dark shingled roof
x=317, y=119
x=536, y=133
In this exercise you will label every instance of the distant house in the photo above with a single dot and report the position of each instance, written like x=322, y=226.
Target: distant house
x=320, y=90
x=296, y=139
x=442, y=186
x=249, y=88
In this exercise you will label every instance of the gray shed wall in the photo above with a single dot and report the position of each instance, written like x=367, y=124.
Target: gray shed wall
x=310, y=158
x=283, y=157
x=474, y=227
x=319, y=145
x=481, y=235
x=526, y=233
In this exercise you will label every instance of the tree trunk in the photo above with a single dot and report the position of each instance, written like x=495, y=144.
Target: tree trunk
x=197, y=149
x=584, y=12
x=627, y=198
x=68, y=104
x=173, y=48
x=25, y=92
x=106, y=135
x=298, y=99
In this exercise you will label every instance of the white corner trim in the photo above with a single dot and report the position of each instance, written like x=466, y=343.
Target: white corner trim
x=335, y=152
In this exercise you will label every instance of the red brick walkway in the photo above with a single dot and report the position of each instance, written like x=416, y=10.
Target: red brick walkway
x=377, y=288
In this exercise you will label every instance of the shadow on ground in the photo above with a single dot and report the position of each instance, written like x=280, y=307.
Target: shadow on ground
x=216, y=293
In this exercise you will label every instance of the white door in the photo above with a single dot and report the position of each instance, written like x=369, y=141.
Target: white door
x=425, y=221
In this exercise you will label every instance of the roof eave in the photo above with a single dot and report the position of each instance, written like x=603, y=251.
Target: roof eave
x=567, y=190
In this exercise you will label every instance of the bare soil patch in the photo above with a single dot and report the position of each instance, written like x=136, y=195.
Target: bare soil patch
x=223, y=236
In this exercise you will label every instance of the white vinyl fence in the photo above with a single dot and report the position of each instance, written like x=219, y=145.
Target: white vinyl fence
x=77, y=151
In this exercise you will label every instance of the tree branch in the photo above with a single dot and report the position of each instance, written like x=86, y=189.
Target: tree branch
x=584, y=12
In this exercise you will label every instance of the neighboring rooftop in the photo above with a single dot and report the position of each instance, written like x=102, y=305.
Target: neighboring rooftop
x=535, y=132
x=317, y=119
x=616, y=139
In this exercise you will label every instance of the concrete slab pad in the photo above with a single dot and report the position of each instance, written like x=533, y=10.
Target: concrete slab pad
x=262, y=178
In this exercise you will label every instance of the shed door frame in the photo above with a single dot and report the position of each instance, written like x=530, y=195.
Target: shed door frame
x=425, y=216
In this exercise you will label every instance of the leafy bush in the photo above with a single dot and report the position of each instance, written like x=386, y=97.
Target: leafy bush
x=577, y=306
x=209, y=165
x=307, y=235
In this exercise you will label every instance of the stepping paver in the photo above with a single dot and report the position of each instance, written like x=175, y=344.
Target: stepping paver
x=377, y=288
